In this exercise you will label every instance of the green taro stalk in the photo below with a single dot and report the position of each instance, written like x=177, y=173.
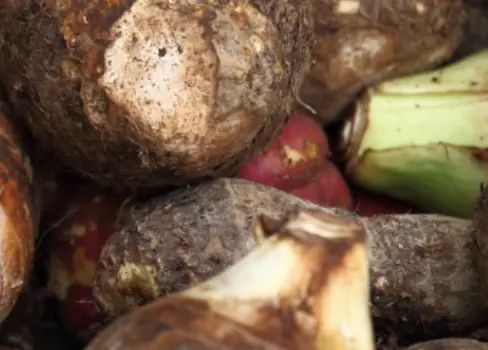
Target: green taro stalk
x=424, y=138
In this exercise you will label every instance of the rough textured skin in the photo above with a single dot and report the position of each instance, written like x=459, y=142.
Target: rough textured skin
x=173, y=242
x=150, y=93
x=450, y=344
x=361, y=42
x=19, y=214
x=282, y=295
x=422, y=273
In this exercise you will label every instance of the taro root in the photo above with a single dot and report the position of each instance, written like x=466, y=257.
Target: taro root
x=362, y=42
x=292, y=158
x=150, y=94
x=304, y=287
x=423, y=278
x=327, y=187
x=450, y=344
x=297, y=162
x=19, y=213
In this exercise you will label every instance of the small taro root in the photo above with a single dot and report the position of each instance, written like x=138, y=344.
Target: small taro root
x=358, y=43
x=19, y=213
x=292, y=158
x=297, y=162
x=90, y=217
x=302, y=287
x=144, y=93
x=423, y=278
x=450, y=344
x=328, y=187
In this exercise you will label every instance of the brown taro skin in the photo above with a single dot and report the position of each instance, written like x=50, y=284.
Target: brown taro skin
x=173, y=242
x=423, y=277
x=279, y=296
x=154, y=93
x=361, y=42
x=19, y=213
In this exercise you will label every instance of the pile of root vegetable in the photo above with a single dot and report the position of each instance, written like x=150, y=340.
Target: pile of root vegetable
x=246, y=174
